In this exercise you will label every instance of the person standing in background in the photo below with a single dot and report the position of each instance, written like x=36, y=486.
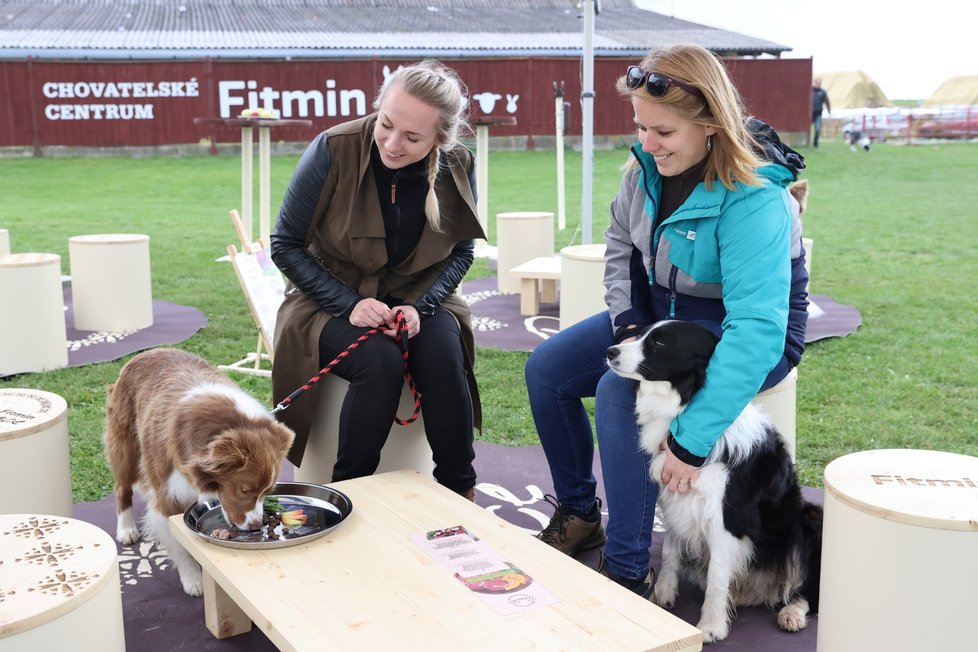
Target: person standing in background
x=819, y=98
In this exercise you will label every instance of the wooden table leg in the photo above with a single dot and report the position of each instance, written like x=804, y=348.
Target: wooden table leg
x=529, y=297
x=221, y=615
x=549, y=290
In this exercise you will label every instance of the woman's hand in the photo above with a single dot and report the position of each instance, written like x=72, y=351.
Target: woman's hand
x=370, y=313
x=411, y=317
x=676, y=474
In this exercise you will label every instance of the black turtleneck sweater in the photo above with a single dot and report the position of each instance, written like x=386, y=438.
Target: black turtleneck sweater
x=677, y=189
x=402, y=195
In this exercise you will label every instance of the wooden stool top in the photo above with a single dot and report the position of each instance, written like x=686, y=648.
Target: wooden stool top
x=918, y=487
x=525, y=215
x=49, y=565
x=108, y=238
x=584, y=252
x=26, y=411
x=29, y=260
x=784, y=384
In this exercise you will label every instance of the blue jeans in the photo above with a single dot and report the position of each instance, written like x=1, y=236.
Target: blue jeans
x=559, y=373
x=816, y=127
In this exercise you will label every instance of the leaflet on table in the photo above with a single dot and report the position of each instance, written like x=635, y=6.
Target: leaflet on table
x=500, y=584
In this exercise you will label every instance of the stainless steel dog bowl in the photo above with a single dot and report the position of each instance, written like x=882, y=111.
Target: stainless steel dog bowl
x=324, y=507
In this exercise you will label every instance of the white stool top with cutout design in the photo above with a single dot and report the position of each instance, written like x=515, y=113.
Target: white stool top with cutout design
x=49, y=566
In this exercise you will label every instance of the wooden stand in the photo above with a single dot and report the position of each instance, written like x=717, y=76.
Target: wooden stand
x=111, y=287
x=899, y=552
x=406, y=447
x=520, y=237
x=581, y=283
x=538, y=282
x=35, y=475
x=779, y=403
x=33, y=334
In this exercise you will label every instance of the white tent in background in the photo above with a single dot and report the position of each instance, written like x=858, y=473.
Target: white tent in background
x=852, y=89
x=956, y=91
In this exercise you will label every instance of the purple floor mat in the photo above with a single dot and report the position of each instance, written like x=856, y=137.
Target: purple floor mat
x=498, y=323
x=172, y=323
x=158, y=616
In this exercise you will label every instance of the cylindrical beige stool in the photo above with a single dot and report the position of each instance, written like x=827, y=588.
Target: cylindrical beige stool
x=899, y=552
x=35, y=474
x=33, y=336
x=521, y=237
x=4, y=242
x=111, y=287
x=59, y=586
x=581, y=283
x=406, y=447
x=780, y=404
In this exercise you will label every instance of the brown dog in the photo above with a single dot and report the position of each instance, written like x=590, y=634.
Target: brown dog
x=179, y=432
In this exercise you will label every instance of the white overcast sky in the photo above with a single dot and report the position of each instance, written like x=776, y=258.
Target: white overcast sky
x=909, y=49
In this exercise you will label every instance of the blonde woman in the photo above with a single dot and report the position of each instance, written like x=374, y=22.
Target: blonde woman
x=380, y=217
x=701, y=230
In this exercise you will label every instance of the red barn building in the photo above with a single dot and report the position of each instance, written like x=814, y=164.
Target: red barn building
x=136, y=73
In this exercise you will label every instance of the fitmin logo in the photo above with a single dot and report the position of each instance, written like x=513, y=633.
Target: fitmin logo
x=963, y=483
x=522, y=600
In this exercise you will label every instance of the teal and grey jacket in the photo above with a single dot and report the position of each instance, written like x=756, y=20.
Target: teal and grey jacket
x=729, y=259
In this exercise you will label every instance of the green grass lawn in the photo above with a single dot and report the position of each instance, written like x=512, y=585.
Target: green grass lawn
x=895, y=234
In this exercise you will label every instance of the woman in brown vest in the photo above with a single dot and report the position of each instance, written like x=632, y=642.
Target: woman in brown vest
x=379, y=218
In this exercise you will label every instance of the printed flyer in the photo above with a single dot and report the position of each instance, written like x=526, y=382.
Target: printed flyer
x=503, y=586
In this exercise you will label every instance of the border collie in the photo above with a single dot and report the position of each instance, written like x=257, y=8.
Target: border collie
x=743, y=532
x=179, y=431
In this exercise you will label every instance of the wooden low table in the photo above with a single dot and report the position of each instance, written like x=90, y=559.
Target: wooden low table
x=538, y=277
x=368, y=586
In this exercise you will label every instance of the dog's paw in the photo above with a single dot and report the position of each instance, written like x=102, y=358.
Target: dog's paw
x=192, y=582
x=665, y=593
x=126, y=531
x=792, y=618
x=713, y=631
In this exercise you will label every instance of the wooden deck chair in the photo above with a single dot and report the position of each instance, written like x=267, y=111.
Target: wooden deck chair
x=264, y=288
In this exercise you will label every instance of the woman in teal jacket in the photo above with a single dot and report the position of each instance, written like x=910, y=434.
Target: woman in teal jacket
x=702, y=229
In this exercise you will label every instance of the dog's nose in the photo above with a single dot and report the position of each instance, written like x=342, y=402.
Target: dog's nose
x=613, y=353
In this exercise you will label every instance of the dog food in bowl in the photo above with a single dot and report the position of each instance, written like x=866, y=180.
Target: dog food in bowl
x=315, y=511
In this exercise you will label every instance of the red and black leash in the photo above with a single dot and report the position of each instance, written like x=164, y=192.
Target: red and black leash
x=400, y=337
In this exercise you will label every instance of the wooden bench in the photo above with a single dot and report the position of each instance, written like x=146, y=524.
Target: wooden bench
x=368, y=585
x=538, y=276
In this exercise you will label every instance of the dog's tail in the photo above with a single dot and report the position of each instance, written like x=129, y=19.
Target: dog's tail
x=811, y=542
x=121, y=445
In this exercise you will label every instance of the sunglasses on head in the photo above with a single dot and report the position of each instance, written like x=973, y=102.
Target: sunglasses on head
x=656, y=83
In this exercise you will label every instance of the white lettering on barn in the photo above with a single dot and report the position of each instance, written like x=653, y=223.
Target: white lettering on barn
x=105, y=108
x=237, y=95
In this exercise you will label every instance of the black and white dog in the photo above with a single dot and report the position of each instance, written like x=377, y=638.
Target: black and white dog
x=743, y=532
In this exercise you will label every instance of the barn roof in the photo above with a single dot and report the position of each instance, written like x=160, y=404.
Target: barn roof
x=124, y=29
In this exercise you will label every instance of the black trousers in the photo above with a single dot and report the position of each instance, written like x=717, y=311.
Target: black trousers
x=375, y=371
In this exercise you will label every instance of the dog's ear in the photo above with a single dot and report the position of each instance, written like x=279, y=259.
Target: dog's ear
x=281, y=436
x=224, y=455
x=799, y=190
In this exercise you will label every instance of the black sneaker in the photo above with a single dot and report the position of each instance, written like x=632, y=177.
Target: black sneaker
x=570, y=533
x=642, y=587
